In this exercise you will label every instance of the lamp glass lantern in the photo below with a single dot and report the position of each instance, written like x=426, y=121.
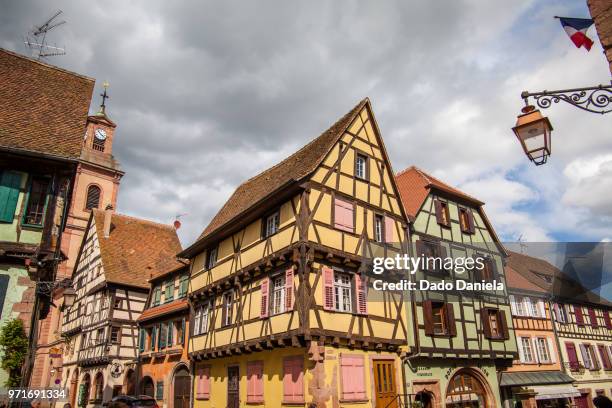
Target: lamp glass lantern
x=533, y=131
x=69, y=297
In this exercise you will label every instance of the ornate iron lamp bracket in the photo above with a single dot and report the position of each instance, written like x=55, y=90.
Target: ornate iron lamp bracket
x=47, y=287
x=595, y=99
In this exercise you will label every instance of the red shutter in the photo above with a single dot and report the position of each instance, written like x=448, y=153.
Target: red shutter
x=389, y=228
x=470, y=218
x=593, y=318
x=605, y=359
x=343, y=215
x=328, y=288
x=427, y=315
x=352, y=376
x=450, y=319
x=504, y=324
x=607, y=319
x=361, y=287
x=289, y=289
x=486, y=326
x=579, y=317
x=293, y=379
x=255, y=381
x=265, y=290
x=438, y=207
x=572, y=356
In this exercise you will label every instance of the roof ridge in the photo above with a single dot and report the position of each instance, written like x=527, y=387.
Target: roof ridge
x=15, y=54
x=141, y=220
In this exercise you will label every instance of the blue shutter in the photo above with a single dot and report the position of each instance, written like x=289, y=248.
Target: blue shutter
x=4, y=281
x=9, y=193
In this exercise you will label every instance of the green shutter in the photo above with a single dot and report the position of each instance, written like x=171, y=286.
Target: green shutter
x=170, y=330
x=183, y=285
x=182, y=339
x=153, y=330
x=9, y=193
x=162, y=336
x=169, y=291
x=142, y=340
x=156, y=296
x=160, y=390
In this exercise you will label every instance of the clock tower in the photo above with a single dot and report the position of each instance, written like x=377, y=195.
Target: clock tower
x=96, y=186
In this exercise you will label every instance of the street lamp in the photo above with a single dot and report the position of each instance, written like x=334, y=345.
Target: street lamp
x=533, y=131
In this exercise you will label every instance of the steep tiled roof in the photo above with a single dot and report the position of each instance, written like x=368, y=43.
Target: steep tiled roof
x=293, y=168
x=531, y=273
x=44, y=108
x=414, y=185
x=136, y=250
x=165, y=309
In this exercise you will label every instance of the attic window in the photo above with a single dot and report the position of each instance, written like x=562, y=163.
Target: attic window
x=466, y=220
x=211, y=258
x=442, y=213
x=361, y=161
x=271, y=224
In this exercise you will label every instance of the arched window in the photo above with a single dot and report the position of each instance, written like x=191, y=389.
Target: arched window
x=465, y=390
x=148, y=387
x=99, y=384
x=93, y=197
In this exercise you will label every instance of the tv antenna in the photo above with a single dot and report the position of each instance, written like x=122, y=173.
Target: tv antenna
x=36, y=39
x=521, y=243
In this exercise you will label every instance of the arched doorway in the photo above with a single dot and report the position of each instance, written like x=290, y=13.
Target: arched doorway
x=467, y=390
x=182, y=388
x=84, y=391
x=74, y=380
x=99, y=387
x=130, y=382
x=148, y=388
x=425, y=399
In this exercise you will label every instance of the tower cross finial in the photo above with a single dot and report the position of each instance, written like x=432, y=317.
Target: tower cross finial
x=104, y=97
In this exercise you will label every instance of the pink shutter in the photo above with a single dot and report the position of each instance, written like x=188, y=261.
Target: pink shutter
x=255, y=381
x=259, y=384
x=328, y=288
x=293, y=379
x=389, y=227
x=206, y=381
x=265, y=287
x=343, y=215
x=353, y=381
x=289, y=289
x=362, y=294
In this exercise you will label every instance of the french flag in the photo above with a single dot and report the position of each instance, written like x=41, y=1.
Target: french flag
x=576, y=29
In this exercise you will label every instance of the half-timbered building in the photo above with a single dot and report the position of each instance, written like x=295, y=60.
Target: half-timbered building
x=279, y=287
x=164, y=369
x=118, y=256
x=463, y=336
x=537, y=378
x=583, y=325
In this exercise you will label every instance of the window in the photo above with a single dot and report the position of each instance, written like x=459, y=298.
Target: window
x=361, y=163
x=100, y=336
x=519, y=306
x=118, y=303
x=278, y=295
x=156, y=296
x=93, y=197
x=228, y=300
x=115, y=335
x=183, y=286
x=271, y=224
x=605, y=357
x=293, y=379
x=593, y=317
x=255, y=388
x=142, y=340
x=588, y=356
x=536, y=308
x=579, y=316
x=352, y=377
x=159, y=390
x=37, y=199
x=442, y=213
x=432, y=254
x=487, y=273
x=10, y=184
x=438, y=318
x=203, y=383
x=344, y=215
x=494, y=323
x=560, y=312
x=169, y=291
x=152, y=337
x=201, y=319
x=163, y=335
x=607, y=319
x=378, y=228
x=342, y=292
x=572, y=356
x=528, y=356
x=466, y=221
x=99, y=387
x=179, y=329
x=543, y=350
x=211, y=258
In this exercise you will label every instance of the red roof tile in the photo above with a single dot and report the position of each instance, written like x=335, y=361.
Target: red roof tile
x=136, y=249
x=165, y=309
x=44, y=108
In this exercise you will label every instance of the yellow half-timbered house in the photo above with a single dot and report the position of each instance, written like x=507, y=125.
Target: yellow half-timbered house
x=278, y=286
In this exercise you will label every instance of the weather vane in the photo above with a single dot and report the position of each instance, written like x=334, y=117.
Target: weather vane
x=104, y=97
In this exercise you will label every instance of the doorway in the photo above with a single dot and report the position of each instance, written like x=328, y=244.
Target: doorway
x=182, y=388
x=384, y=384
x=147, y=387
x=581, y=401
x=233, y=387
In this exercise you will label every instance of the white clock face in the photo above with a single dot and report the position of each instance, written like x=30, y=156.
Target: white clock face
x=100, y=134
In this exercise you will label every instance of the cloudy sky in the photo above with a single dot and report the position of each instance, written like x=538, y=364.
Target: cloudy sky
x=208, y=94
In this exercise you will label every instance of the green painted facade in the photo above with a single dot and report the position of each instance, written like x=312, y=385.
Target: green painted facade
x=15, y=231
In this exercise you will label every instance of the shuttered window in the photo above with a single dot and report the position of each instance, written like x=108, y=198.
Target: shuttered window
x=344, y=215
x=579, y=316
x=265, y=290
x=142, y=340
x=352, y=378
x=439, y=319
x=361, y=296
x=607, y=319
x=442, y=213
x=203, y=383
x=255, y=385
x=293, y=379
x=36, y=201
x=593, y=318
x=432, y=254
x=159, y=391
x=494, y=324
x=572, y=356
x=93, y=197
x=183, y=286
x=169, y=291
x=466, y=221
x=605, y=358
x=9, y=194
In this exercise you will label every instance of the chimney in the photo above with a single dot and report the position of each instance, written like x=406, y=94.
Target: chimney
x=108, y=212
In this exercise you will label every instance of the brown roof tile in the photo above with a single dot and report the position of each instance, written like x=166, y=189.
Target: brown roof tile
x=136, y=250
x=44, y=108
x=165, y=309
x=293, y=168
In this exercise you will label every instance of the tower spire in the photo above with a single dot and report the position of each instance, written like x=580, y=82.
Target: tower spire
x=104, y=96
